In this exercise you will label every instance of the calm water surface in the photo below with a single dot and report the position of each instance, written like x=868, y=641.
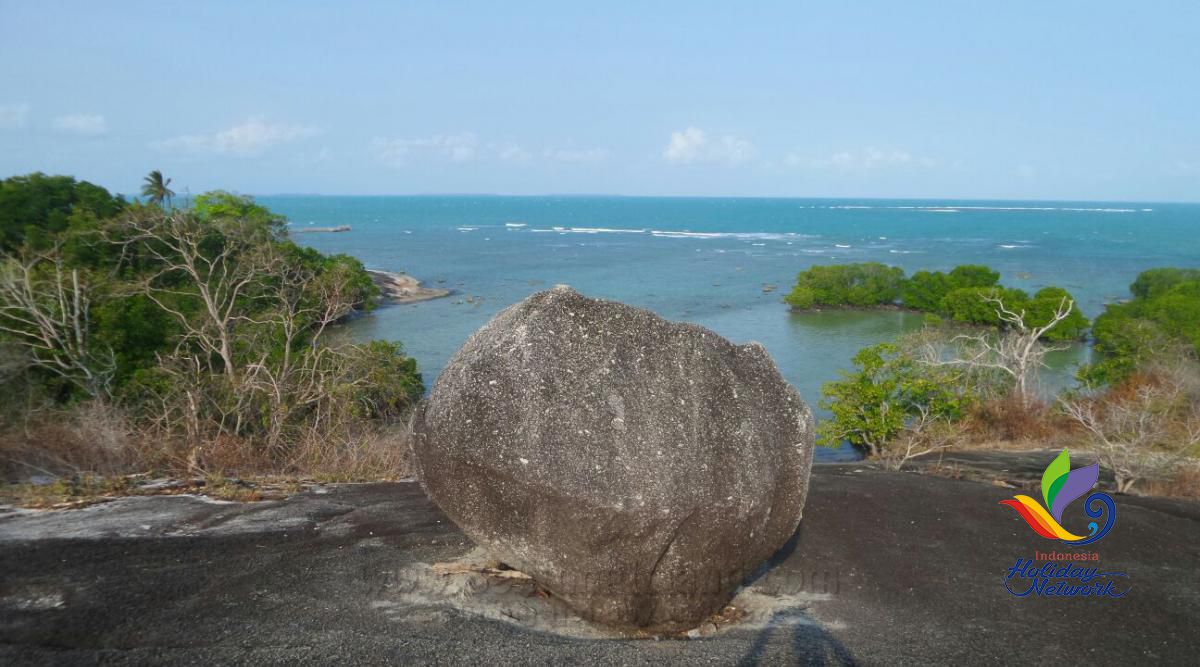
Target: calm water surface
x=708, y=260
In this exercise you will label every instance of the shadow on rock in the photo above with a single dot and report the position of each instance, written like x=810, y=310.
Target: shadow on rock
x=810, y=643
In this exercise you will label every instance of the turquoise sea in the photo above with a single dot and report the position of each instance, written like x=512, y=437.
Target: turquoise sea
x=708, y=260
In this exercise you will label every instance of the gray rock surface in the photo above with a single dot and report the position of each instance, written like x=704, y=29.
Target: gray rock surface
x=637, y=468
x=888, y=568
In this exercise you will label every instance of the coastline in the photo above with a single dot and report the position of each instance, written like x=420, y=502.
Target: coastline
x=316, y=230
x=403, y=288
x=885, y=307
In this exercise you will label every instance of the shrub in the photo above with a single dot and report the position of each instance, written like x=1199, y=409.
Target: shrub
x=801, y=298
x=35, y=208
x=889, y=392
x=973, y=275
x=1153, y=282
x=1145, y=427
x=866, y=284
x=1010, y=419
x=198, y=335
x=970, y=306
x=1041, y=309
x=1162, y=319
x=959, y=295
x=925, y=290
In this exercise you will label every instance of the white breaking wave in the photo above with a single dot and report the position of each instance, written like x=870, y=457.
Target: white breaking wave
x=948, y=209
x=603, y=230
x=514, y=225
x=687, y=235
x=589, y=230
x=667, y=233
x=741, y=236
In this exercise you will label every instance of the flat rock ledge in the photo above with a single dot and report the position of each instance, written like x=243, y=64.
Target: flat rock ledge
x=403, y=288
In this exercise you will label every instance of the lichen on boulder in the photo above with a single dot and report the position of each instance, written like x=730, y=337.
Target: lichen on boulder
x=637, y=468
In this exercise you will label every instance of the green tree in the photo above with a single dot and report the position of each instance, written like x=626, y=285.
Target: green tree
x=220, y=205
x=927, y=290
x=973, y=275
x=46, y=311
x=1177, y=311
x=969, y=305
x=1042, y=308
x=157, y=189
x=36, y=208
x=801, y=298
x=865, y=284
x=924, y=291
x=391, y=383
x=1124, y=344
x=197, y=326
x=887, y=392
x=1153, y=282
x=1162, y=320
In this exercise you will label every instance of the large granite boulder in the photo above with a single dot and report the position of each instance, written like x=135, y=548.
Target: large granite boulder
x=637, y=468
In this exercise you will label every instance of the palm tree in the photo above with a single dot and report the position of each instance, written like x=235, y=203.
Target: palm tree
x=157, y=189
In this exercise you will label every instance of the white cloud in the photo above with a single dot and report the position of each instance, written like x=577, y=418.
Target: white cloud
x=82, y=123
x=13, y=116
x=734, y=149
x=860, y=160
x=467, y=147
x=685, y=146
x=510, y=152
x=1185, y=167
x=693, y=145
x=576, y=155
x=249, y=138
x=461, y=147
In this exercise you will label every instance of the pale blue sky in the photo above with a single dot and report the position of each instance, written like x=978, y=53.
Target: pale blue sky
x=1046, y=100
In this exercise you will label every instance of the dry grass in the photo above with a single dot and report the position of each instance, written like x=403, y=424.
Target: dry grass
x=91, y=451
x=83, y=490
x=1023, y=425
x=90, y=438
x=1183, y=483
x=378, y=454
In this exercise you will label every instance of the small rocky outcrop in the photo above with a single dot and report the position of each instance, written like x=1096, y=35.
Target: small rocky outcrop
x=637, y=468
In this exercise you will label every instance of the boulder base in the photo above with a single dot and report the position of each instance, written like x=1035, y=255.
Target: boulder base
x=637, y=468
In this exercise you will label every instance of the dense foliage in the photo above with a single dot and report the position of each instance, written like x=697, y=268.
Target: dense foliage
x=1163, y=318
x=889, y=391
x=37, y=207
x=966, y=294
x=903, y=399
x=204, y=323
x=865, y=284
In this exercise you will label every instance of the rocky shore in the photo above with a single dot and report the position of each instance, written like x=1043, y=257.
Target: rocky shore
x=403, y=288
x=318, y=230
